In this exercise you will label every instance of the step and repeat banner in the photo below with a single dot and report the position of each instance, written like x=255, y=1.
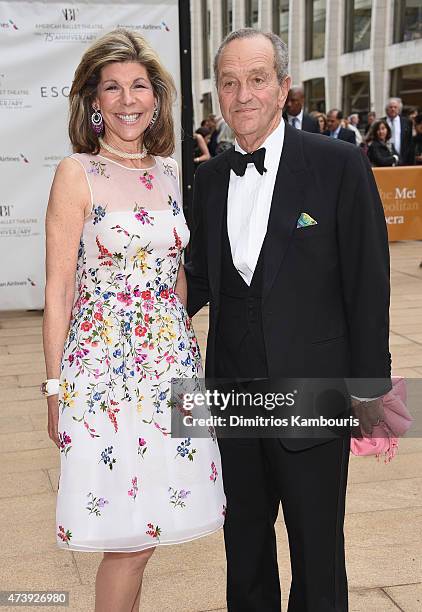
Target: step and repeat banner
x=41, y=44
x=400, y=190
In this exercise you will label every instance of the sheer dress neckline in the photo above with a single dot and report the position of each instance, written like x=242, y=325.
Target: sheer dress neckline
x=127, y=167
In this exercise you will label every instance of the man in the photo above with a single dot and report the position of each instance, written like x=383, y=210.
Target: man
x=353, y=125
x=401, y=131
x=370, y=120
x=286, y=301
x=294, y=112
x=334, y=129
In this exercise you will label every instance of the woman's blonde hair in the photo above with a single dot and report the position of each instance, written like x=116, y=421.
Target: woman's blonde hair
x=120, y=46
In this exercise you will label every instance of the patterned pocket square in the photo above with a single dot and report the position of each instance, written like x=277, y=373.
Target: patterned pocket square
x=305, y=220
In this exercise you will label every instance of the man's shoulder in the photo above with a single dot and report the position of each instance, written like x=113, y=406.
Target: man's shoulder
x=325, y=154
x=215, y=164
x=322, y=143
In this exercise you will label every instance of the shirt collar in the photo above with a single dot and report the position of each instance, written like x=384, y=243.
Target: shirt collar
x=273, y=145
x=337, y=131
x=299, y=117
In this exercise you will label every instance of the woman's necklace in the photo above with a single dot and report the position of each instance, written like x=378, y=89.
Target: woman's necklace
x=123, y=154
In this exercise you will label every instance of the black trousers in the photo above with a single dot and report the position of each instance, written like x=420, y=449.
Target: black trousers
x=311, y=484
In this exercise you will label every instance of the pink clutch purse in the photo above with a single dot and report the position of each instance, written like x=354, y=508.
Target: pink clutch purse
x=384, y=437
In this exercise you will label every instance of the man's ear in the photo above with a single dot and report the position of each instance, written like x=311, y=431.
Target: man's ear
x=284, y=90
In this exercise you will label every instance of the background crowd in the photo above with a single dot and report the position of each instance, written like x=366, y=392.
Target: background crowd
x=392, y=140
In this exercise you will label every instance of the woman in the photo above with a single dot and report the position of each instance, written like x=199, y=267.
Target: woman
x=115, y=220
x=381, y=152
x=201, y=139
x=322, y=120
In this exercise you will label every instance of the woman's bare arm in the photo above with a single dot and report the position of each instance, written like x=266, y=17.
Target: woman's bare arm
x=69, y=199
x=205, y=154
x=181, y=285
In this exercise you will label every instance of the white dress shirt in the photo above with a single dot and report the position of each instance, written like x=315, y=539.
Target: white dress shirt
x=298, y=118
x=248, y=205
x=395, y=127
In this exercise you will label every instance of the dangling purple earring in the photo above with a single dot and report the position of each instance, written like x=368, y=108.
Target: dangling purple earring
x=97, y=123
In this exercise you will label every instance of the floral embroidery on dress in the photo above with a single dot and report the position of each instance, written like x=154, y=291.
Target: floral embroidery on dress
x=65, y=442
x=99, y=213
x=98, y=168
x=154, y=532
x=168, y=170
x=146, y=179
x=106, y=457
x=177, y=498
x=68, y=395
x=183, y=449
x=173, y=205
x=65, y=536
x=96, y=504
x=142, y=447
x=133, y=492
x=214, y=473
x=143, y=215
x=129, y=337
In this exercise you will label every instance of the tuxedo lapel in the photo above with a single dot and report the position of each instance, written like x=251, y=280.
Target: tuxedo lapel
x=215, y=214
x=286, y=206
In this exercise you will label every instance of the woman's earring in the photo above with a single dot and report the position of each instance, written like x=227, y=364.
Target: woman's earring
x=154, y=117
x=97, y=123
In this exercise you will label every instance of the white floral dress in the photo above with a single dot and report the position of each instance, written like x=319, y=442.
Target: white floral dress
x=125, y=483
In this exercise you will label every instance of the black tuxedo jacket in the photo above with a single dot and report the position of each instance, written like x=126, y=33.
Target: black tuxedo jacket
x=325, y=294
x=344, y=134
x=406, y=142
x=309, y=124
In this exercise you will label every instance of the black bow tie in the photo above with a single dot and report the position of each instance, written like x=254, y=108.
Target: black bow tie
x=239, y=161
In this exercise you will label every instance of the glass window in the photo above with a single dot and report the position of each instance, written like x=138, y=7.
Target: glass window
x=251, y=14
x=315, y=29
x=406, y=83
x=206, y=30
x=356, y=94
x=281, y=19
x=407, y=20
x=206, y=104
x=315, y=95
x=227, y=17
x=357, y=22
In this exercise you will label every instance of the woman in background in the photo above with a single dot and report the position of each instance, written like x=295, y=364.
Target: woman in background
x=381, y=152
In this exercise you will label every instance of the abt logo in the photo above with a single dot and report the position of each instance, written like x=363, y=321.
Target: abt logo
x=70, y=14
x=6, y=210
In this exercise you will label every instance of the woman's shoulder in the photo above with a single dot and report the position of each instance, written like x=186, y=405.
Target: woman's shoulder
x=376, y=144
x=169, y=165
x=83, y=159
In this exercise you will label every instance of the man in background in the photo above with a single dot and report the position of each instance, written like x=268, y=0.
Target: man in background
x=293, y=111
x=334, y=129
x=354, y=126
x=401, y=131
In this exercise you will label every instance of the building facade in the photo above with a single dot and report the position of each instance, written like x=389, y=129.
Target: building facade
x=348, y=54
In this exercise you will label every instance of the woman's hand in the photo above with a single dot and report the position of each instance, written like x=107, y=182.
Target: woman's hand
x=53, y=419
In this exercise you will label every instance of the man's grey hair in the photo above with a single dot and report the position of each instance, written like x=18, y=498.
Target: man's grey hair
x=398, y=100
x=281, y=54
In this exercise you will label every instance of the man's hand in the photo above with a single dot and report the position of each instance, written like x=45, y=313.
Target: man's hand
x=369, y=414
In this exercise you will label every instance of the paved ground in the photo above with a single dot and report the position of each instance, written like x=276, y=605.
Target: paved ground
x=384, y=504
